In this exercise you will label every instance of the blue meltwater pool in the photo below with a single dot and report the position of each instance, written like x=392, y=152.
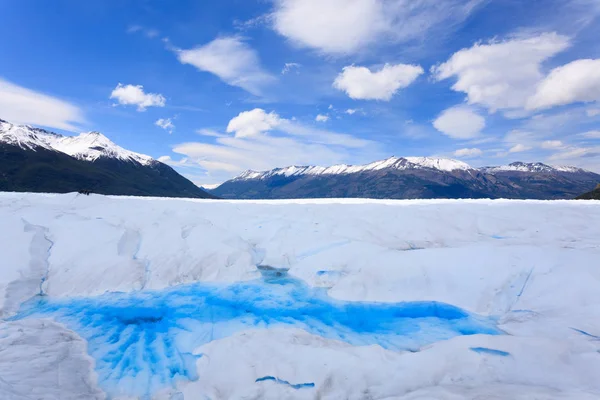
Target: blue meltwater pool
x=144, y=341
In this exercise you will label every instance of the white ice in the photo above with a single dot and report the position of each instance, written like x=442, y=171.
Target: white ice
x=533, y=264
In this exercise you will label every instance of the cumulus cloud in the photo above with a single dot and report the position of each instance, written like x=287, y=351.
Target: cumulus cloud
x=348, y=26
x=322, y=118
x=25, y=106
x=578, y=81
x=501, y=74
x=288, y=67
x=362, y=83
x=459, y=122
x=230, y=59
x=351, y=111
x=552, y=144
x=468, y=153
x=135, y=95
x=166, y=124
x=253, y=123
x=258, y=122
x=264, y=140
x=518, y=148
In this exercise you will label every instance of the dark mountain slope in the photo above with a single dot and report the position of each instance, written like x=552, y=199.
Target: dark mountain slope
x=34, y=160
x=593, y=195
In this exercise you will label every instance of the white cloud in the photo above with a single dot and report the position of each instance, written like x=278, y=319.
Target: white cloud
x=330, y=107
x=322, y=118
x=253, y=123
x=25, y=106
x=584, y=157
x=288, y=67
x=362, y=83
x=349, y=26
x=520, y=137
x=166, y=124
x=592, y=112
x=552, y=144
x=134, y=29
x=264, y=140
x=232, y=60
x=169, y=161
x=210, y=186
x=501, y=75
x=135, y=95
x=578, y=81
x=150, y=33
x=351, y=111
x=258, y=122
x=210, y=132
x=459, y=122
x=591, y=135
x=467, y=153
x=519, y=148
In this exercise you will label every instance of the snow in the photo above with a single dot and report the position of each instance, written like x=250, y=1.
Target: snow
x=192, y=299
x=86, y=146
x=401, y=163
x=93, y=145
x=444, y=164
x=531, y=167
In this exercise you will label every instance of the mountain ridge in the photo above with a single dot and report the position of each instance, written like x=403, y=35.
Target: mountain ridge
x=37, y=160
x=403, y=163
x=412, y=177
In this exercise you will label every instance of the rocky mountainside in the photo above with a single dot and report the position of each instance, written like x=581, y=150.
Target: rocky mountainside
x=593, y=195
x=36, y=160
x=412, y=178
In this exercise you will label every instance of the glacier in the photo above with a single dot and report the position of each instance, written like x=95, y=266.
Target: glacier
x=119, y=297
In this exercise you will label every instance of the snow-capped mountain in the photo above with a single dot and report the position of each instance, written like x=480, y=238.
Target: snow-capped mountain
x=532, y=167
x=87, y=146
x=36, y=160
x=412, y=177
x=399, y=163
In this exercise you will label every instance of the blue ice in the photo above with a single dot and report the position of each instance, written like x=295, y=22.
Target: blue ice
x=586, y=333
x=494, y=352
x=283, y=382
x=144, y=341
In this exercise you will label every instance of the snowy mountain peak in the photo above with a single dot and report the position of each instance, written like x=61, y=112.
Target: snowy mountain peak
x=531, y=167
x=94, y=145
x=87, y=146
x=444, y=164
x=400, y=163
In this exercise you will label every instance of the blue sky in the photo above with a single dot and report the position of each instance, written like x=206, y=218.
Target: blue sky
x=214, y=88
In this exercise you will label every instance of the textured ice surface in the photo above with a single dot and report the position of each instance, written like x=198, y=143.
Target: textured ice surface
x=531, y=263
x=144, y=341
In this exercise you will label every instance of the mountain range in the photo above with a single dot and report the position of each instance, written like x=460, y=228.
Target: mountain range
x=412, y=178
x=36, y=160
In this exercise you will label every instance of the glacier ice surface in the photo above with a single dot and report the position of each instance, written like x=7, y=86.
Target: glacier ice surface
x=144, y=341
x=115, y=270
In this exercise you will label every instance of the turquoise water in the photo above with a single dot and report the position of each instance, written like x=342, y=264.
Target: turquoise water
x=144, y=341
